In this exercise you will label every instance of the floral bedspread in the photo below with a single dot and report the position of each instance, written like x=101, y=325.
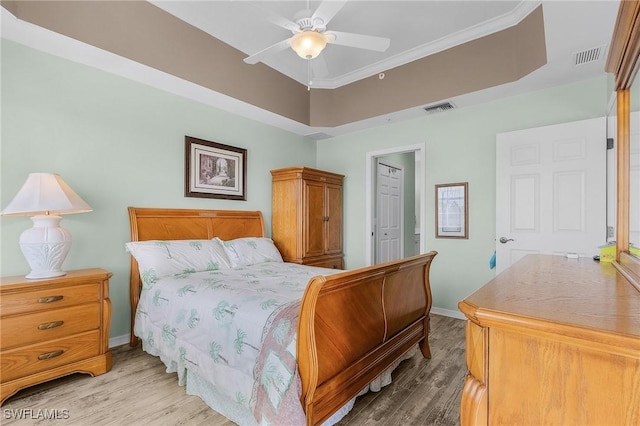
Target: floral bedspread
x=232, y=333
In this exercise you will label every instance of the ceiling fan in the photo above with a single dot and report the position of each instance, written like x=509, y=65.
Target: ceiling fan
x=310, y=34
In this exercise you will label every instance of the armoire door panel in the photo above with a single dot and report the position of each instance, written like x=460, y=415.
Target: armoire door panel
x=334, y=219
x=313, y=241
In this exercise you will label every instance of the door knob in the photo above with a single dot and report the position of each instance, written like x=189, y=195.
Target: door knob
x=505, y=240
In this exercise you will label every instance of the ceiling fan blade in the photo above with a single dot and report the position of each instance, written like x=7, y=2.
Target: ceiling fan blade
x=327, y=10
x=361, y=41
x=274, y=18
x=275, y=48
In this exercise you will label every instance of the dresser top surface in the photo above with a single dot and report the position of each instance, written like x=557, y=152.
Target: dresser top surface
x=78, y=275
x=574, y=292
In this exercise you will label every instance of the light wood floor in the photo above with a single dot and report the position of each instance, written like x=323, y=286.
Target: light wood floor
x=137, y=391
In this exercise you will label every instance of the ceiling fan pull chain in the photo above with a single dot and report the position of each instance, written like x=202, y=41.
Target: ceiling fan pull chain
x=309, y=75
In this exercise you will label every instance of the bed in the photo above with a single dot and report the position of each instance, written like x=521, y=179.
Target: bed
x=351, y=325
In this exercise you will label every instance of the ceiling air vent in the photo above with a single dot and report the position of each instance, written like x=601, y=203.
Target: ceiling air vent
x=318, y=136
x=589, y=55
x=445, y=106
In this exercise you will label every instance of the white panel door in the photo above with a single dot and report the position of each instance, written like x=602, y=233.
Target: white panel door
x=634, y=179
x=551, y=191
x=389, y=213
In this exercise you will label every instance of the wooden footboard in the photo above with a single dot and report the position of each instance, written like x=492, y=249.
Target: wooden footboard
x=355, y=324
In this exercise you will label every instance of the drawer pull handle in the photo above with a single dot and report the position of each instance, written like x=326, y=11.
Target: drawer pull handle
x=49, y=355
x=48, y=325
x=50, y=299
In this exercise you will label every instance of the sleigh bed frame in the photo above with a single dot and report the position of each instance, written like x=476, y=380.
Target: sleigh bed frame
x=352, y=325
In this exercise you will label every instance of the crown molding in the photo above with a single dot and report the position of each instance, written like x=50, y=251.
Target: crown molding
x=483, y=29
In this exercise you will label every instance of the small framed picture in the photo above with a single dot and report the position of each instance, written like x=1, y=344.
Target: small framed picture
x=452, y=210
x=214, y=170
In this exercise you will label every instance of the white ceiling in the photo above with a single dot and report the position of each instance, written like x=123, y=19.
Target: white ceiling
x=416, y=29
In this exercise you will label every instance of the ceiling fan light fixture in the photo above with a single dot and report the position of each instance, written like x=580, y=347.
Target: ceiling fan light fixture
x=308, y=44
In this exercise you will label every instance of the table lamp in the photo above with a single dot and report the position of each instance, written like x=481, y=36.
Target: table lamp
x=44, y=197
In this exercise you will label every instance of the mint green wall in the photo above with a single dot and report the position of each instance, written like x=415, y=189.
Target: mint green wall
x=117, y=143
x=460, y=147
x=120, y=143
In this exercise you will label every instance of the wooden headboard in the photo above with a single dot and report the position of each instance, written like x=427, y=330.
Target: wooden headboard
x=185, y=224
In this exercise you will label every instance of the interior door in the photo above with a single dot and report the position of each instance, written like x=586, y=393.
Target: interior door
x=389, y=202
x=551, y=191
x=634, y=180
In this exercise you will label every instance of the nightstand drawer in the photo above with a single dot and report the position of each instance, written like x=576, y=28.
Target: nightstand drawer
x=48, y=325
x=40, y=300
x=28, y=360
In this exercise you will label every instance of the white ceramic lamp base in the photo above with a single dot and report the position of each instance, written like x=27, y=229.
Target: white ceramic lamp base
x=45, y=246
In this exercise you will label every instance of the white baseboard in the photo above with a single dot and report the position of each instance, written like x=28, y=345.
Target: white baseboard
x=448, y=313
x=119, y=340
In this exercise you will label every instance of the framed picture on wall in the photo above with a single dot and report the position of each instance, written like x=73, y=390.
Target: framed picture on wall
x=452, y=210
x=214, y=170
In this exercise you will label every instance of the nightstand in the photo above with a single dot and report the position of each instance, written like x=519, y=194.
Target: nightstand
x=53, y=327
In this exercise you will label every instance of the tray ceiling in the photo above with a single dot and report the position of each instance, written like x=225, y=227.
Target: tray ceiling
x=418, y=30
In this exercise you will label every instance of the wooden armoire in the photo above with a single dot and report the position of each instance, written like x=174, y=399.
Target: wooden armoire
x=306, y=223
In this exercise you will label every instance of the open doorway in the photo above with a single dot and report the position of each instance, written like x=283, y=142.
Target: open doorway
x=411, y=159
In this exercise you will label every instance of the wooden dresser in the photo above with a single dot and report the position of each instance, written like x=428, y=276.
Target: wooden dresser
x=306, y=221
x=53, y=327
x=553, y=341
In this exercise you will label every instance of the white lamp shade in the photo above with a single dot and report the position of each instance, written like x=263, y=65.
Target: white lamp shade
x=45, y=193
x=44, y=196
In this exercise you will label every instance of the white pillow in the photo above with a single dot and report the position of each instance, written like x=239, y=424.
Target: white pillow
x=159, y=258
x=250, y=250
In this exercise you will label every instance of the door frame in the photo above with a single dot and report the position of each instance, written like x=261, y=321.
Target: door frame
x=370, y=169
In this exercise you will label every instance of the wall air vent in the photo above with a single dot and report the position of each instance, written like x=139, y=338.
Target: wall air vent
x=588, y=56
x=445, y=106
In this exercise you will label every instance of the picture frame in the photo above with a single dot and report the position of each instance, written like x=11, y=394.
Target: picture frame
x=452, y=210
x=214, y=170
